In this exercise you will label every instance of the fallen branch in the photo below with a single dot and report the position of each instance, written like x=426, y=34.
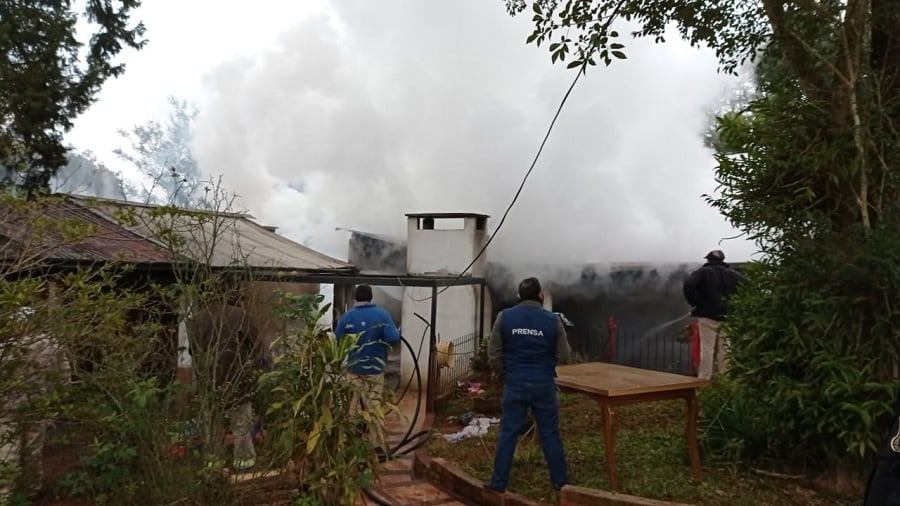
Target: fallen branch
x=773, y=474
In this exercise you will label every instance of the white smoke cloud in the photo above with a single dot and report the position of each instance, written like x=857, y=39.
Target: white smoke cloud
x=370, y=110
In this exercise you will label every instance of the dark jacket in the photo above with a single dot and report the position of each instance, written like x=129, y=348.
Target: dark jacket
x=377, y=331
x=526, y=344
x=884, y=481
x=708, y=288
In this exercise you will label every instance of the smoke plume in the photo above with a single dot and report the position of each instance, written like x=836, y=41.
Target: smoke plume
x=369, y=110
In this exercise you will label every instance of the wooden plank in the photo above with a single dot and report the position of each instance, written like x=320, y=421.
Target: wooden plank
x=612, y=380
x=445, y=501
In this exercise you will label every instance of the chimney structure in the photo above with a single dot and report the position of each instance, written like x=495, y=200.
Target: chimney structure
x=442, y=244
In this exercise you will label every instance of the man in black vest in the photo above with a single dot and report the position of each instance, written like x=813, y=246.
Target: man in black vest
x=526, y=344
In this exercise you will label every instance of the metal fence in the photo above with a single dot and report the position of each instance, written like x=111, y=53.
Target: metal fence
x=464, y=349
x=661, y=351
x=656, y=351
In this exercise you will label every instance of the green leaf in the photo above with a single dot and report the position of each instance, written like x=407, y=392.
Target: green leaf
x=573, y=64
x=619, y=54
x=863, y=414
x=313, y=438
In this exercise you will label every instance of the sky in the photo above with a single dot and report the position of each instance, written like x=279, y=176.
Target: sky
x=345, y=114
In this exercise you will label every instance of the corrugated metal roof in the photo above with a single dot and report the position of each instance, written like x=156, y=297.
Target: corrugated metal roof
x=101, y=240
x=222, y=239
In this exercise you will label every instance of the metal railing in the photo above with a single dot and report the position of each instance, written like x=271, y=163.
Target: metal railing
x=464, y=349
x=656, y=351
x=661, y=351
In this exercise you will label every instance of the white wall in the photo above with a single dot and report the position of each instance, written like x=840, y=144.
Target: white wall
x=445, y=252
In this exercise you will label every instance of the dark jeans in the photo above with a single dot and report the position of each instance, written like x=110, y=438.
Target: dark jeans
x=543, y=400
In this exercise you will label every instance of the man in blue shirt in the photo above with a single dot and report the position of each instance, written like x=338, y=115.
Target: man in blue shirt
x=376, y=331
x=526, y=344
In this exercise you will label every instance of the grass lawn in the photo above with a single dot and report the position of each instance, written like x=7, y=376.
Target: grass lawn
x=651, y=452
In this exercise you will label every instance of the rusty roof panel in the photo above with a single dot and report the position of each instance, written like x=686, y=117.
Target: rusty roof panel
x=59, y=230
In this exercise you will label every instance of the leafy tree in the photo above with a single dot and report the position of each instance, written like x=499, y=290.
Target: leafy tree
x=808, y=169
x=162, y=152
x=49, y=77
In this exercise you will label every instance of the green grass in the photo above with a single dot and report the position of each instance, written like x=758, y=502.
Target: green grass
x=651, y=454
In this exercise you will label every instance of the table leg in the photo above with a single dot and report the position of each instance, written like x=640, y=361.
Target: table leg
x=609, y=433
x=691, y=433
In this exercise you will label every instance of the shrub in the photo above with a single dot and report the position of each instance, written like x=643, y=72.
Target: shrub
x=308, y=420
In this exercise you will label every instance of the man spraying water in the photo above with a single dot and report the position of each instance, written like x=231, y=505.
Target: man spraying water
x=707, y=290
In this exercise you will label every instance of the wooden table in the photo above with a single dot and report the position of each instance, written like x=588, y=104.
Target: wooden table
x=612, y=385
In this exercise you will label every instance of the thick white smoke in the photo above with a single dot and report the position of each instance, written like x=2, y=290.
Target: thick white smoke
x=370, y=110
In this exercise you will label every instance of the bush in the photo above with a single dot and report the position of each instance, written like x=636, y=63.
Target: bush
x=734, y=426
x=807, y=362
x=308, y=419
x=479, y=361
x=151, y=439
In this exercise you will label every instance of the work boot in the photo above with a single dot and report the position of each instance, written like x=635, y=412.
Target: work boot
x=487, y=485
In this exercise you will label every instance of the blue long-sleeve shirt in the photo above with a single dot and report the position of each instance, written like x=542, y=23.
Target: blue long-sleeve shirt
x=377, y=332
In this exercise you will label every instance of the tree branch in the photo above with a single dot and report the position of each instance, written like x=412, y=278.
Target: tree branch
x=846, y=110
x=795, y=51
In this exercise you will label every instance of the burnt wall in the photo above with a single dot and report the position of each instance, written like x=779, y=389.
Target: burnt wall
x=372, y=254
x=645, y=301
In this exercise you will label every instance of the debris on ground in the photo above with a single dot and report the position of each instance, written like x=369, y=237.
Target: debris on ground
x=470, y=388
x=474, y=426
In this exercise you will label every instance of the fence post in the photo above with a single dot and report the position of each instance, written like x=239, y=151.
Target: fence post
x=611, y=344
x=695, y=346
x=433, y=373
x=480, y=335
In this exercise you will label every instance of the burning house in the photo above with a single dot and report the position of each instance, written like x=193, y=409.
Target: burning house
x=625, y=313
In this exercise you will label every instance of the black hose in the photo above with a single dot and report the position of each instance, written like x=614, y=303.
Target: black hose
x=409, y=437
x=376, y=499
